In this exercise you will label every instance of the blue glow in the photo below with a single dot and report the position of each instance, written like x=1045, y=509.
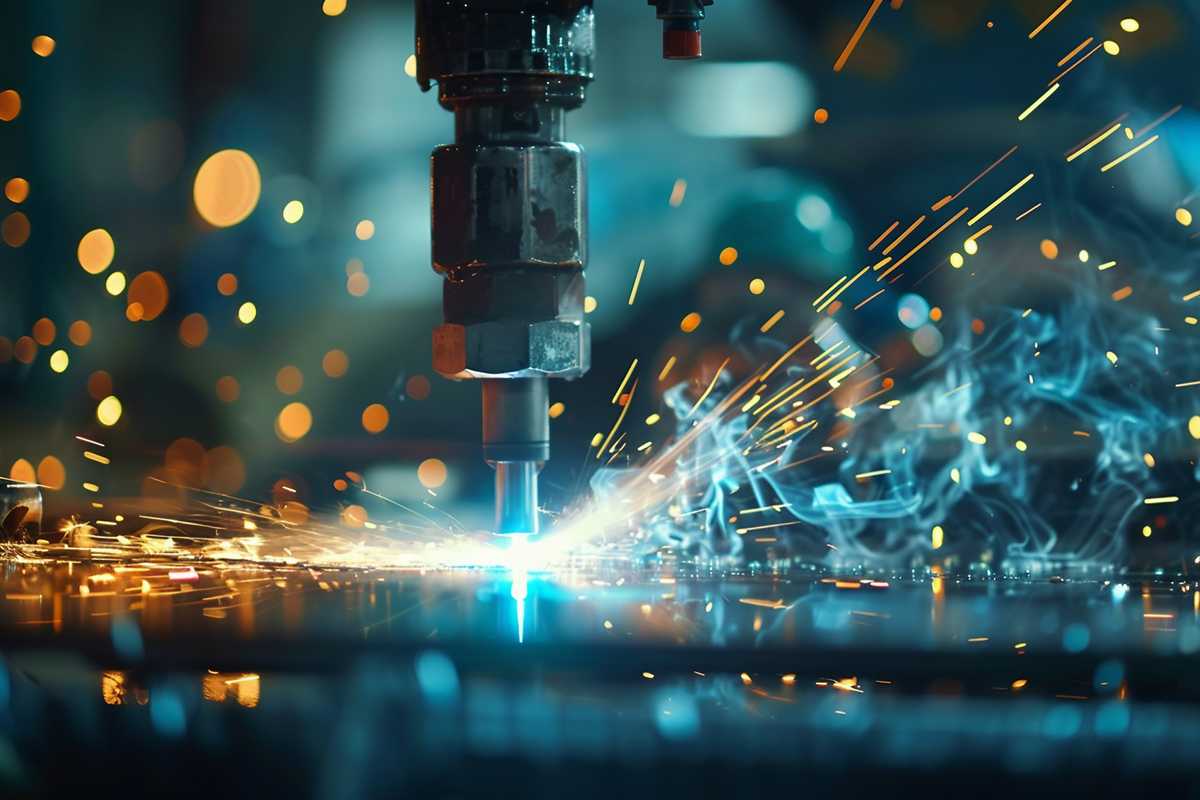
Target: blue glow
x=166, y=712
x=1076, y=637
x=127, y=638
x=913, y=311
x=519, y=555
x=437, y=677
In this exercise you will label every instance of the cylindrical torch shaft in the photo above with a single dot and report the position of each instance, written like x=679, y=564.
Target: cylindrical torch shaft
x=516, y=442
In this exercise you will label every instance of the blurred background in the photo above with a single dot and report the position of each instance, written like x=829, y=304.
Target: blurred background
x=262, y=317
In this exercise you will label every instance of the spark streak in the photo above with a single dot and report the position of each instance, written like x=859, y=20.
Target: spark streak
x=770, y=323
x=767, y=527
x=1082, y=59
x=1130, y=154
x=1026, y=213
x=838, y=293
x=869, y=299
x=1033, y=106
x=617, y=395
x=927, y=240
x=1049, y=19
x=873, y=474
x=858, y=32
x=1158, y=122
x=637, y=281
x=708, y=391
x=916, y=224
x=985, y=173
x=883, y=236
x=1016, y=188
x=1075, y=51
x=791, y=351
x=620, y=418
x=826, y=293
x=666, y=370
x=1116, y=127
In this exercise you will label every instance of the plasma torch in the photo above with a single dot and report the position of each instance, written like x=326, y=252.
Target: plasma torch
x=509, y=212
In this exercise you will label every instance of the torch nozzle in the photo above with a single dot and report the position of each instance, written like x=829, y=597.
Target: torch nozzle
x=516, y=442
x=517, y=497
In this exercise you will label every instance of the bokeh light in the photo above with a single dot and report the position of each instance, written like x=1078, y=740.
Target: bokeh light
x=358, y=284
x=1183, y=216
x=133, y=312
x=293, y=212
x=432, y=473
x=821, y=116
x=80, y=333
x=1049, y=249
x=10, y=105
x=690, y=322
x=1112, y=48
x=364, y=230
x=728, y=256
x=294, y=422
x=100, y=385
x=912, y=310
x=15, y=229
x=927, y=340
x=193, y=330
x=16, y=190
x=149, y=289
x=226, y=470
x=186, y=462
x=354, y=516
x=375, y=418
x=227, y=284
x=51, y=473
x=335, y=363
x=227, y=188
x=96, y=251
x=22, y=471
x=228, y=389
x=25, y=349
x=758, y=286
x=43, y=45
x=114, y=284
x=332, y=8
x=556, y=410
x=109, y=411
x=59, y=361
x=44, y=331
x=289, y=380
x=589, y=304
x=417, y=387
x=247, y=312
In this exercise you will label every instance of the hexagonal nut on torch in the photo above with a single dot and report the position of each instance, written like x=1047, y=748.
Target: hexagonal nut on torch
x=513, y=349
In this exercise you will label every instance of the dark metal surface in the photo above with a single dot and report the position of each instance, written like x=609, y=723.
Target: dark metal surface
x=350, y=683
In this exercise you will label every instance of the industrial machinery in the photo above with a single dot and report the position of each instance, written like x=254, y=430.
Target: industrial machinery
x=509, y=212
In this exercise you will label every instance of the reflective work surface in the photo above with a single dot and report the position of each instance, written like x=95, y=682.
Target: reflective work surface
x=352, y=683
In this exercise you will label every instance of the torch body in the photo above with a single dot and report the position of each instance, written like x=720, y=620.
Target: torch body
x=509, y=219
